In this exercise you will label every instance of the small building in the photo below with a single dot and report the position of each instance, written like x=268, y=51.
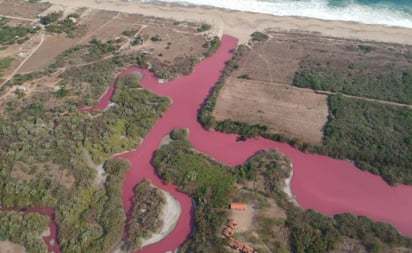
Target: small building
x=232, y=223
x=238, y=206
x=228, y=232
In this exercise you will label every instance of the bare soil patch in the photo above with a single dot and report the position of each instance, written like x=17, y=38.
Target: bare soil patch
x=52, y=46
x=9, y=247
x=275, y=60
x=243, y=218
x=55, y=44
x=22, y=8
x=297, y=113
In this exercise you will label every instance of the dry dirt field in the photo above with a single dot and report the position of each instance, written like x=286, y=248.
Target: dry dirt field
x=22, y=8
x=9, y=247
x=176, y=40
x=266, y=95
x=294, y=112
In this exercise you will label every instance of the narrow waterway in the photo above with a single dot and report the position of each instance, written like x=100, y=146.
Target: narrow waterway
x=328, y=185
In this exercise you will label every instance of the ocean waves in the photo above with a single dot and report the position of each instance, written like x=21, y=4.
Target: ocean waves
x=382, y=12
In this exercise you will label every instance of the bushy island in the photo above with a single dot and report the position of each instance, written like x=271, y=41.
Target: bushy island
x=213, y=185
x=376, y=136
x=48, y=155
x=145, y=219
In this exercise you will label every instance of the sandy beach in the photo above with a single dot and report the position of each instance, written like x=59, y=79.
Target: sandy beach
x=242, y=24
x=170, y=215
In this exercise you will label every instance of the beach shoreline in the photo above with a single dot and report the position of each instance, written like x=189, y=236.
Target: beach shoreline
x=242, y=24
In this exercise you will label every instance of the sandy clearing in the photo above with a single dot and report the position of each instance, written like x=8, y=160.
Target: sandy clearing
x=242, y=24
x=293, y=112
x=170, y=215
x=10, y=247
x=21, y=9
x=244, y=219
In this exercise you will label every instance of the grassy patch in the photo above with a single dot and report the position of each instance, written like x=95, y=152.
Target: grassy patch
x=10, y=35
x=4, y=64
x=207, y=182
x=55, y=24
x=258, y=36
x=204, y=28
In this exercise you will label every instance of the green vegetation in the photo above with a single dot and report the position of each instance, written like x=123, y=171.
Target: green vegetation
x=203, y=28
x=206, y=181
x=55, y=24
x=212, y=46
x=129, y=32
x=145, y=218
x=121, y=127
x=98, y=48
x=258, y=36
x=244, y=76
x=9, y=35
x=99, y=75
x=244, y=130
x=25, y=229
x=209, y=183
x=51, y=18
x=178, y=134
x=43, y=143
x=201, y=178
x=94, y=220
x=358, y=77
x=310, y=231
x=4, y=64
x=205, y=116
x=142, y=60
x=377, y=137
x=366, y=48
x=155, y=38
x=166, y=70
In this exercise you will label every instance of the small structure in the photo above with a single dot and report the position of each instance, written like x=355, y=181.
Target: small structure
x=238, y=206
x=22, y=89
x=232, y=223
x=240, y=246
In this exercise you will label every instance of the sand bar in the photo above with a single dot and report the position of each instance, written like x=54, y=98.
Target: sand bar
x=242, y=24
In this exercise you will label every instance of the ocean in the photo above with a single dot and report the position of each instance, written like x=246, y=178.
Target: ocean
x=383, y=12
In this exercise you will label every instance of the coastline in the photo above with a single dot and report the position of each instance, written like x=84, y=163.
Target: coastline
x=242, y=24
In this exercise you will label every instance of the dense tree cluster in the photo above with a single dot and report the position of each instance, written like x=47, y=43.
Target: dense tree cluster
x=25, y=229
x=377, y=137
x=362, y=76
x=206, y=181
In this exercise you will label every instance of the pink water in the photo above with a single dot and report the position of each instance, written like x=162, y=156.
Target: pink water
x=328, y=185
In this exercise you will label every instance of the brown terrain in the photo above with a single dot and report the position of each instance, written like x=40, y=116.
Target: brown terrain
x=290, y=111
x=9, y=247
x=21, y=9
x=265, y=95
x=178, y=48
x=260, y=90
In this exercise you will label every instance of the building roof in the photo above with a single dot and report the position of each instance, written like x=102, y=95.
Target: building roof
x=238, y=205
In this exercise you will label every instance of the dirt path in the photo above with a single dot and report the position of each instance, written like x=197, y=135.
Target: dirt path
x=100, y=177
x=19, y=18
x=24, y=61
x=364, y=98
x=98, y=29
